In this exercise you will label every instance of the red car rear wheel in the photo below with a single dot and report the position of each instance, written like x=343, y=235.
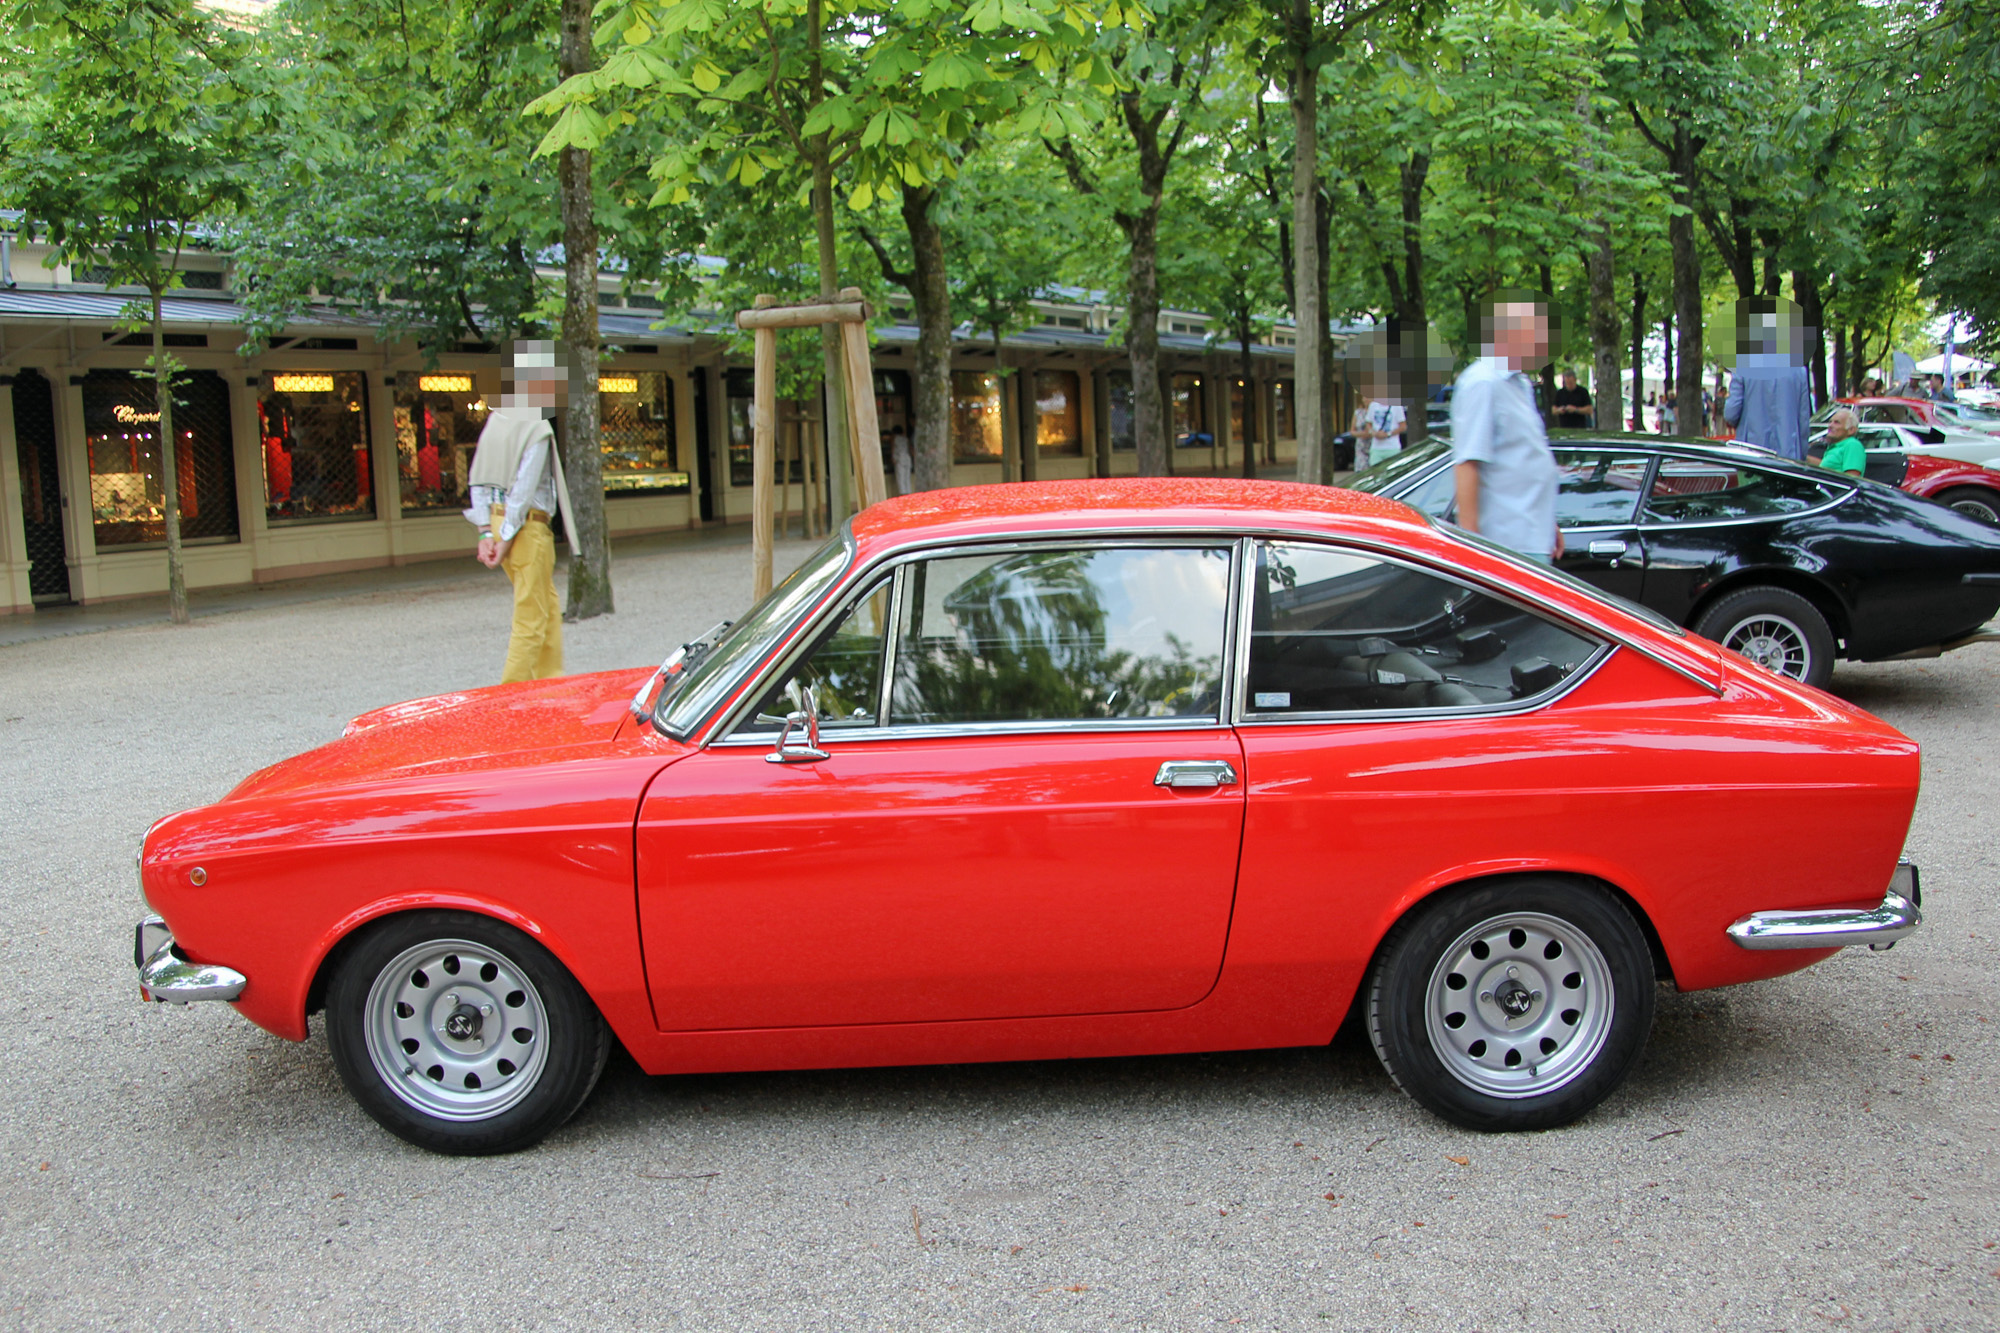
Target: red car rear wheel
x=1981, y=504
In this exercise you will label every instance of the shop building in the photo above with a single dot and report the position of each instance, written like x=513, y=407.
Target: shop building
x=333, y=450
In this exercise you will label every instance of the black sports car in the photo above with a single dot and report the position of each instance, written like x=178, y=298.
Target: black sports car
x=1788, y=564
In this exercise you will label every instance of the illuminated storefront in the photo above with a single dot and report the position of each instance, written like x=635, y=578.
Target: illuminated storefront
x=313, y=431
x=636, y=426
x=975, y=416
x=121, y=421
x=1058, y=414
x=438, y=418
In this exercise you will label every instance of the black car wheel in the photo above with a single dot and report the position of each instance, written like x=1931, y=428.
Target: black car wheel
x=1514, y=1005
x=1983, y=505
x=1778, y=630
x=461, y=1034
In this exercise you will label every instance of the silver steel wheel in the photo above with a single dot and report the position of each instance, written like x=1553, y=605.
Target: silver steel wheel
x=456, y=1029
x=1519, y=1005
x=1773, y=642
x=1982, y=510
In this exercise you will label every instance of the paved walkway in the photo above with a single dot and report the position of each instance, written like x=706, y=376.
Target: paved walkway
x=56, y=622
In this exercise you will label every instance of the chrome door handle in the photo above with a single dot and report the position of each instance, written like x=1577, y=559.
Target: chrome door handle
x=1611, y=549
x=1195, y=773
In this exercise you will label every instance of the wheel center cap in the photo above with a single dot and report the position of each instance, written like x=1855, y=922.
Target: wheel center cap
x=1513, y=998
x=463, y=1023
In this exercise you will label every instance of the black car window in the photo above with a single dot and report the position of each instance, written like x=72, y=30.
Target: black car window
x=1062, y=634
x=1334, y=631
x=1598, y=488
x=844, y=670
x=1700, y=490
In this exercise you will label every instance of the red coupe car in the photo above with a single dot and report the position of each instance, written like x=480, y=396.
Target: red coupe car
x=1058, y=770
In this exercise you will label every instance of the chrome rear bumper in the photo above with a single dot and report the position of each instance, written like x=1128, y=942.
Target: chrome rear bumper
x=1834, y=928
x=165, y=974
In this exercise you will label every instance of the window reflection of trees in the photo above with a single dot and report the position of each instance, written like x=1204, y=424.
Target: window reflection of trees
x=1334, y=631
x=1064, y=634
x=845, y=671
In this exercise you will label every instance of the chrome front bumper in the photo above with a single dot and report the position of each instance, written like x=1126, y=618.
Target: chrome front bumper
x=1834, y=928
x=166, y=975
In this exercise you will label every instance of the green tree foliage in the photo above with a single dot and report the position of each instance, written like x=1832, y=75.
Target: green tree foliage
x=127, y=134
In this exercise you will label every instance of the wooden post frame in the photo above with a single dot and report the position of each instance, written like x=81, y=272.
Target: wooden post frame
x=864, y=433
x=764, y=429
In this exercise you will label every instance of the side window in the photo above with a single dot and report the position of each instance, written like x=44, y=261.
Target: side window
x=1434, y=496
x=1699, y=490
x=844, y=671
x=1894, y=412
x=1334, y=631
x=1111, y=632
x=1598, y=489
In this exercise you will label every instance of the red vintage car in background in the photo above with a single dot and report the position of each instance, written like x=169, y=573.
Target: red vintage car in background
x=1045, y=771
x=1967, y=487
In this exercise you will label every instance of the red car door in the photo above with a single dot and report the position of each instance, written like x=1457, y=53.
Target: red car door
x=1046, y=819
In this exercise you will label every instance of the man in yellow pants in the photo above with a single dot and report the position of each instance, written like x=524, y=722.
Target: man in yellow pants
x=516, y=479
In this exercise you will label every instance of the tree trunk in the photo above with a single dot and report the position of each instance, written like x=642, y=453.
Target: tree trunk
x=1605, y=333
x=1840, y=360
x=930, y=442
x=1329, y=382
x=843, y=486
x=170, y=480
x=1413, y=316
x=1687, y=291
x=1548, y=375
x=1638, y=418
x=1245, y=369
x=1812, y=309
x=1315, y=457
x=583, y=455
x=1142, y=344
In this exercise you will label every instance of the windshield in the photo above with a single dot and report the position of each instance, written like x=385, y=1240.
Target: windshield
x=690, y=697
x=1513, y=557
x=1382, y=478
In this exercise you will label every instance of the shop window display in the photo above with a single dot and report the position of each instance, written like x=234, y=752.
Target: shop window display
x=121, y=422
x=438, y=419
x=1284, y=418
x=636, y=423
x=742, y=461
x=975, y=416
x=1190, y=409
x=314, y=428
x=1058, y=414
x=1124, y=434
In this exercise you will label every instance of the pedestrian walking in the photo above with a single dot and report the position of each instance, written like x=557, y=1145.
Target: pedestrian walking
x=1504, y=472
x=1770, y=398
x=516, y=479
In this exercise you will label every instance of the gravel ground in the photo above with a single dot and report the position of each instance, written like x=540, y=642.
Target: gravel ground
x=1816, y=1150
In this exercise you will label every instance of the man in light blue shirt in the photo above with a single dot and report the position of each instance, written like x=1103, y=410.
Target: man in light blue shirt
x=1505, y=474
x=1770, y=400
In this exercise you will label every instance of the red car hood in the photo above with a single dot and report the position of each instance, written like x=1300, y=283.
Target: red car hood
x=501, y=726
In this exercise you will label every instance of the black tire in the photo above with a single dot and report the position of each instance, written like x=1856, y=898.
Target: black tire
x=1775, y=628
x=422, y=989
x=1577, y=1055
x=1974, y=502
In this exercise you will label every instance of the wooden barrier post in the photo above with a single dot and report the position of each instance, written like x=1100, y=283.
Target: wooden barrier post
x=857, y=378
x=764, y=409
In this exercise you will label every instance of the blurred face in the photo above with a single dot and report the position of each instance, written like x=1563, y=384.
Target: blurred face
x=1520, y=333
x=1841, y=425
x=1569, y=379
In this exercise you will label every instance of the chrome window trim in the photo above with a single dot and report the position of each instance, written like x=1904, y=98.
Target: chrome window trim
x=1247, y=716
x=720, y=721
x=913, y=731
x=1843, y=492
x=729, y=729
x=1846, y=491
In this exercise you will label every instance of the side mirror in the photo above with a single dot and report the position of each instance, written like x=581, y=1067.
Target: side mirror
x=805, y=717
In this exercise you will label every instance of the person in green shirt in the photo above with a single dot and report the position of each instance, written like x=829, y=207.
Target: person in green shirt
x=1843, y=447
